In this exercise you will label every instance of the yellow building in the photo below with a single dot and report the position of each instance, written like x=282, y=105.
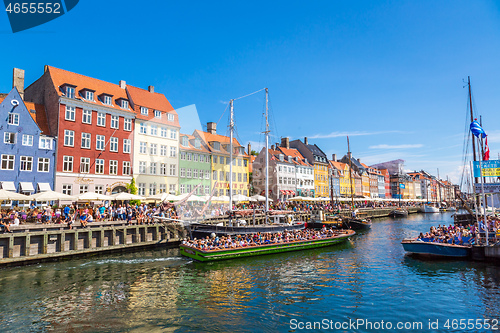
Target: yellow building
x=220, y=162
x=343, y=170
x=321, y=180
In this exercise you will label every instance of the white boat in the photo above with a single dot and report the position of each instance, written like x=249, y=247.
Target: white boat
x=429, y=209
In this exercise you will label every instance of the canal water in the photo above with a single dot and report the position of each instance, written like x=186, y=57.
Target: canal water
x=368, y=279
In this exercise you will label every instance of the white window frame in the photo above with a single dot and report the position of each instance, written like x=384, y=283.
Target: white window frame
x=163, y=150
x=44, y=163
x=9, y=138
x=124, y=104
x=170, y=117
x=141, y=189
x=126, y=168
x=45, y=143
x=127, y=144
x=68, y=163
x=153, y=149
x=100, y=142
x=84, y=165
x=157, y=114
x=27, y=161
x=8, y=159
x=13, y=119
x=113, y=144
x=87, y=117
x=142, y=167
x=89, y=95
x=173, y=170
x=154, y=130
x=113, y=167
x=70, y=92
x=163, y=132
x=67, y=189
x=163, y=169
x=143, y=147
x=70, y=113
x=144, y=111
x=173, y=134
x=143, y=128
x=86, y=139
x=173, y=151
x=27, y=140
x=115, y=122
x=99, y=166
x=69, y=136
x=127, y=124
x=107, y=100
x=101, y=119
x=153, y=168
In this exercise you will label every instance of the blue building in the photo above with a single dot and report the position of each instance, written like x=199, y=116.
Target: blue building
x=27, y=151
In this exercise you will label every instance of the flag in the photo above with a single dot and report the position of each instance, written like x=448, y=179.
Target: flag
x=486, y=155
x=477, y=130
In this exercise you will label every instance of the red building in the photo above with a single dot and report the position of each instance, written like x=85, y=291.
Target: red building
x=94, y=124
x=387, y=179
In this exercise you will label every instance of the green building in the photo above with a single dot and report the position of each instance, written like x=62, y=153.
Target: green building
x=194, y=165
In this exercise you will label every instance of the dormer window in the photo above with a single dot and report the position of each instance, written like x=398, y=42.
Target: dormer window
x=290, y=159
x=242, y=150
x=124, y=104
x=88, y=95
x=282, y=157
x=216, y=145
x=157, y=114
x=106, y=99
x=144, y=111
x=70, y=91
x=170, y=117
x=197, y=143
x=185, y=141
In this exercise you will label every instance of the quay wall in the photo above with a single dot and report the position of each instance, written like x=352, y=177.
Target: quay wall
x=34, y=243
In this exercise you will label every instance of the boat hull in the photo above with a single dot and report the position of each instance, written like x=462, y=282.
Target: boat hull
x=204, y=230
x=357, y=224
x=436, y=250
x=429, y=209
x=205, y=256
x=399, y=213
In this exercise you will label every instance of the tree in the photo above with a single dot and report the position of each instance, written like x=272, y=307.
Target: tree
x=254, y=153
x=132, y=187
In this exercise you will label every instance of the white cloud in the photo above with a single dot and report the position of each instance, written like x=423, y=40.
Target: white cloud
x=357, y=133
x=419, y=145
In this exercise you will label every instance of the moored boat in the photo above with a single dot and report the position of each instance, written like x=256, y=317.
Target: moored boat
x=429, y=209
x=426, y=248
x=358, y=224
x=239, y=252
x=400, y=212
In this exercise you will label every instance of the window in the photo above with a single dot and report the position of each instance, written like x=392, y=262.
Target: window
x=227, y=161
x=245, y=163
x=163, y=188
x=195, y=157
x=207, y=174
x=68, y=163
x=84, y=189
x=99, y=142
x=207, y=190
x=221, y=175
x=113, y=144
x=227, y=176
x=26, y=163
x=239, y=162
x=183, y=172
x=183, y=155
x=157, y=114
x=143, y=128
x=27, y=140
x=142, y=167
x=141, y=188
x=152, y=188
x=189, y=173
x=172, y=188
x=124, y=104
x=14, y=119
x=189, y=156
x=45, y=143
x=69, y=138
x=195, y=173
x=183, y=188
x=8, y=162
x=86, y=140
x=173, y=151
x=239, y=177
x=87, y=117
x=9, y=137
x=144, y=111
x=163, y=169
x=189, y=187
x=184, y=141
x=70, y=113
x=99, y=189
x=245, y=177
x=173, y=171
x=152, y=168
x=234, y=176
x=163, y=150
x=126, y=167
x=127, y=124
x=107, y=99
x=114, y=122
x=85, y=165
x=197, y=143
x=43, y=164
x=67, y=189
x=143, y=146
x=170, y=117
x=101, y=119
x=89, y=95
x=113, y=167
x=154, y=130
x=126, y=146
x=70, y=92
x=163, y=132
x=173, y=134
x=153, y=149
x=99, y=166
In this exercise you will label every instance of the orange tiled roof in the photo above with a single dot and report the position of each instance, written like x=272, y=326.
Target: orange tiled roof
x=294, y=153
x=152, y=101
x=209, y=137
x=61, y=77
x=191, y=145
x=39, y=116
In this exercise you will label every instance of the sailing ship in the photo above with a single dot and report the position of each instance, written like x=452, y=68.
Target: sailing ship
x=354, y=222
x=281, y=221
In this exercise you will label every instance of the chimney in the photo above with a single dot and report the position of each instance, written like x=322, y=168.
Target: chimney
x=305, y=141
x=249, y=148
x=151, y=89
x=18, y=81
x=272, y=147
x=334, y=157
x=285, y=143
x=123, y=84
x=359, y=160
x=212, y=128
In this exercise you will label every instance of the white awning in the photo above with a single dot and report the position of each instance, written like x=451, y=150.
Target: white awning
x=26, y=187
x=43, y=187
x=8, y=186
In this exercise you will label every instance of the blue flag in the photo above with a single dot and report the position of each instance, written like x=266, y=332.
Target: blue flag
x=477, y=130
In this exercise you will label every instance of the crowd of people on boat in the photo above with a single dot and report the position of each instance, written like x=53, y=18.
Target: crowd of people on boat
x=260, y=238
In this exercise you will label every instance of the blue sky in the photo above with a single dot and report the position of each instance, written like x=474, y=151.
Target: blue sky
x=388, y=73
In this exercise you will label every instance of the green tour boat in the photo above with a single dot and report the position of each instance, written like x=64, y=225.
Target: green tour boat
x=211, y=255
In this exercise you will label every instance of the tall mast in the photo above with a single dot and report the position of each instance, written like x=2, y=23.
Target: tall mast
x=471, y=120
x=350, y=172
x=267, y=154
x=231, y=134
